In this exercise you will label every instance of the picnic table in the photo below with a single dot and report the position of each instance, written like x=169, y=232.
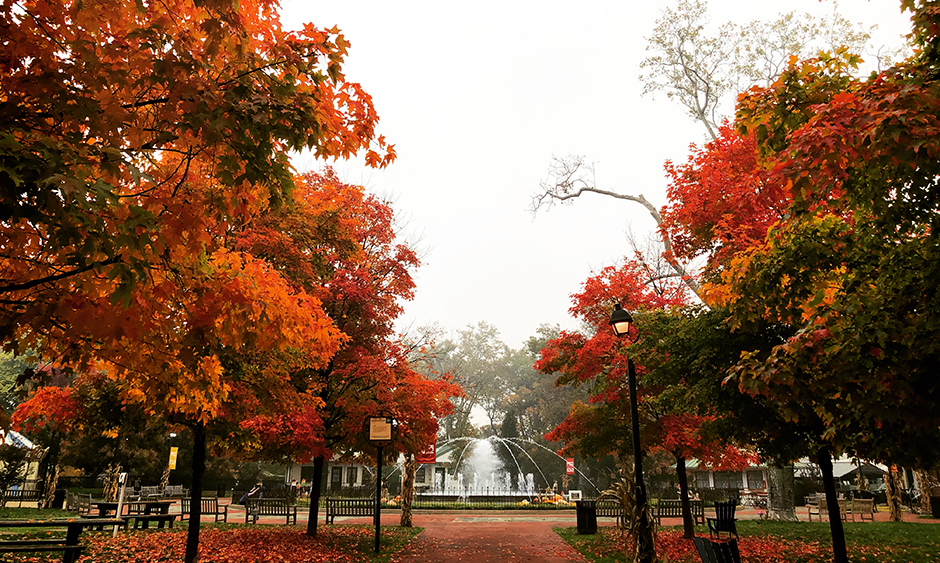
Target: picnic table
x=68, y=545
x=142, y=512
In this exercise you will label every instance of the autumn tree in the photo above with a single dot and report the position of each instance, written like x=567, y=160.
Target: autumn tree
x=848, y=267
x=865, y=308
x=704, y=71
x=701, y=71
x=340, y=244
x=597, y=356
x=681, y=362
x=136, y=135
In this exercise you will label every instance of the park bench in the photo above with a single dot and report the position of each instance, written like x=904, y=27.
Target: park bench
x=257, y=507
x=68, y=545
x=672, y=508
x=348, y=507
x=175, y=491
x=864, y=508
x=22, y=495
x=150, y=492
x=717, y=552
x=208, y=506
x=821, y=508
x=612, y=509
x=78, y=503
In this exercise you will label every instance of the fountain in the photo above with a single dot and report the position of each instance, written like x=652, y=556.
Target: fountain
x=477, y=471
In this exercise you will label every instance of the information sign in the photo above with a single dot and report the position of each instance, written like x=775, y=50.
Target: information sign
x=380, y=429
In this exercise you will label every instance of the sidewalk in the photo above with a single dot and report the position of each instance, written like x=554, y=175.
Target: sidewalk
x=488, y=537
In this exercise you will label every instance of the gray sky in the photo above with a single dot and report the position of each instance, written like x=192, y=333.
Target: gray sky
x=478, y=96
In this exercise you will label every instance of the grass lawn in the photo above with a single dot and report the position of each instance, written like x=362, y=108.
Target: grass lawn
x=228, y=543
x=798, y=542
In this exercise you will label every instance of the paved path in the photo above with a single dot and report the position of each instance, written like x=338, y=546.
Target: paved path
x=485, y=537
x=489, y=537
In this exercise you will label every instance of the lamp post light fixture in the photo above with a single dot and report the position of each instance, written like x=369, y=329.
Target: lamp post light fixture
x=620, y=321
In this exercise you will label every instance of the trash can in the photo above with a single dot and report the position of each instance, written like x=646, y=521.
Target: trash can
x=935, y=507
x=58, y=499
x=586, y=511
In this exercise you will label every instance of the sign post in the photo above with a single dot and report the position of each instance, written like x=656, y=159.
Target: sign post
x=122, y=483
x=382, y=431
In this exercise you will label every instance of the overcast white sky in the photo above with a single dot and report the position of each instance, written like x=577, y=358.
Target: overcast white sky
x=478, y=96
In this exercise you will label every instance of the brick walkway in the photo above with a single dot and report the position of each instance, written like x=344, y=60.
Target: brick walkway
x=488, y=537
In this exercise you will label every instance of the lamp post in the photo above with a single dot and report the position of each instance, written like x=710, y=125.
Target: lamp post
x=620, y=321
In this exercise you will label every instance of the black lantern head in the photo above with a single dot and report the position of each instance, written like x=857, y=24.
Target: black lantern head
x=620, y=321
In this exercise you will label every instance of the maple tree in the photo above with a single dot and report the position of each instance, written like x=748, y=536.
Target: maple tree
x=97, y=96
x=341, y=246
x=722, y=200
x=136, y=135
x=601, y=427
x=849, y=267
x=857, y=258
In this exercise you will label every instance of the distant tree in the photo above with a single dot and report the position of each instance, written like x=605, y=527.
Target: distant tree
x=12, y=369
x=507, y=430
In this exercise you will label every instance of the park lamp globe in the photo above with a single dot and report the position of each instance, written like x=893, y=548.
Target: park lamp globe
x=620, y=321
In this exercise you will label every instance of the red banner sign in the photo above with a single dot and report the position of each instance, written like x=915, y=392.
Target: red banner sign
x=428, y=455
x=569, y=465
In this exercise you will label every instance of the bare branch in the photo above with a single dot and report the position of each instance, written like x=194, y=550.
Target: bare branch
x=572, y=176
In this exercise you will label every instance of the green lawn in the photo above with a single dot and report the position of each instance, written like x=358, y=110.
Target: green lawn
x=800, y=542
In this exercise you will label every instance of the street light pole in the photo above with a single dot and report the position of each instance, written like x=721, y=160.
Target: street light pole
x=620, y=321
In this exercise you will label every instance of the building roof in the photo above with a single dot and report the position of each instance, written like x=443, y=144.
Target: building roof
x=17, y=439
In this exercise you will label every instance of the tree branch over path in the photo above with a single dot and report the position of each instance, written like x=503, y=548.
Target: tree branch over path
x=572, y=176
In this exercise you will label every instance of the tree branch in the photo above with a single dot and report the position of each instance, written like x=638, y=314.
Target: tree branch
x=572, y=177
x=49, y=279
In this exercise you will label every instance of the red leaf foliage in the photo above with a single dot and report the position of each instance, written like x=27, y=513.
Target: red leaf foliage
x=242, y=545
x=722, y=200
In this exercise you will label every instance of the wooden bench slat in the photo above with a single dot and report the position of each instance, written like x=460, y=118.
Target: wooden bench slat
x=348, y=507
x=208, y=507
x=255, y=508
x=672, y=508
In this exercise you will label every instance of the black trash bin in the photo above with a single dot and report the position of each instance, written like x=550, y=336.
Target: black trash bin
x=586, y=511
x=58, y=499
x=935, y=507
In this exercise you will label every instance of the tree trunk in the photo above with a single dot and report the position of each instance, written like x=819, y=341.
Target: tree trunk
x=52, y=482
x=839, y=554
x=408, y=490
x=688, y=525
x=893, y=494
x=923, y=484
x=195, y=492
x=318, y=463
x=780, y=504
